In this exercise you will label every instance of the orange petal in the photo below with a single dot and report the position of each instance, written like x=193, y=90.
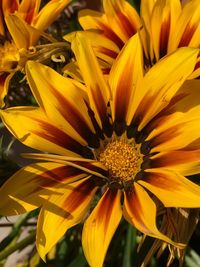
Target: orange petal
x=125, y=77
x=34, y=184
x=61, y=212
x=98, y=90
x=173, y=189
x=100, y=226
x=140, y=210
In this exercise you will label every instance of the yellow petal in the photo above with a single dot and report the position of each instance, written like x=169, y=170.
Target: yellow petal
x=185, y=162
x=98, y=90
x=21, y=32
x=28, y=9
x=122, y=18
x=140, y=210
x=61, y=212
x=183, y=107
x=176, y=136
x=103, y=47
x=162, y=82
x=163, y=22
x=173, y=189
x=90, y=19
x=49, y=13
x=93, y=20
x=125, y=78
x=100, y=226
x=34, y=184
x=187, y=28
x=39, y=132
x=9, y=6
x=62, y=101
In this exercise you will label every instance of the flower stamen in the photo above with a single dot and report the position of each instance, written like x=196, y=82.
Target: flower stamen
x=121, y=159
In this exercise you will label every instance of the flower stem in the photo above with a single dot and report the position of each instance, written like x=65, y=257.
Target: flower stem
x=18, y=246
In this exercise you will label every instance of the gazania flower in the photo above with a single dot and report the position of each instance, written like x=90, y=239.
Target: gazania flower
x=21, y=18
x=164, y=26
x=127, y=140
x=25, y=24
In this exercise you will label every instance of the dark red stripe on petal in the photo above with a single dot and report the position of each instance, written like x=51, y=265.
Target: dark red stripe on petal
x=51, y=178
x=123, y=93
x=165, y=136
x=187, y=34
x=106, y=207
x=92, y=167
x=175, y=158
x=102, y=110
x=11, y=5
x=76, y=120
x=164, y=36
x=30, y=14
x=126, y=25
x=107, y=52
x=136, y=208
x=58, y=137
x=160, y=180
x=111, y=35
x=77, y=196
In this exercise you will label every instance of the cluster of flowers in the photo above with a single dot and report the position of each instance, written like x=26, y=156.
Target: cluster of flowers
x=121, y=126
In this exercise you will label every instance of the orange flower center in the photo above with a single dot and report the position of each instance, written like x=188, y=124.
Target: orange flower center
x=121, y=159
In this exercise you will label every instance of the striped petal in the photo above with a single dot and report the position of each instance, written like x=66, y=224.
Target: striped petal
x=185, y=162
x=62, y=101
x=49, y=13
x=28, y=9
x=103, y=47
x=187, y=28
x=100, y=226
x=98, y=91
x=61, y=212
x=93, y=20
x=39, y=132
x=162, y=82
x=90, y=166
x=163, y=22
x=176, y=136
x=173, y=189
x=22, y=33
x=122, y=17
x=125, y=75
x=34, y=184
x=140, y=210
x=183, y=107
x=9, y=6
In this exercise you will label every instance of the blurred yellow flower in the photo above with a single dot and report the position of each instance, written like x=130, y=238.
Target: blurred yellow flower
x=164, y=26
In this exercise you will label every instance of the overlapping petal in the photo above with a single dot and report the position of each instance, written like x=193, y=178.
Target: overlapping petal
x=62, y=101
x=163, y=81
x=173, y=189
x=98, y=90
x=63, y=211
x=140, y=210
x=29, y=187
x=100, y=227
x=125, y=81
x=39, y=132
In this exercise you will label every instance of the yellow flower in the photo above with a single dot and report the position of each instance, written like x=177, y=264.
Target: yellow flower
x=25, y=24
x=126, y=139
x=164, y=26
x=25, y=21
